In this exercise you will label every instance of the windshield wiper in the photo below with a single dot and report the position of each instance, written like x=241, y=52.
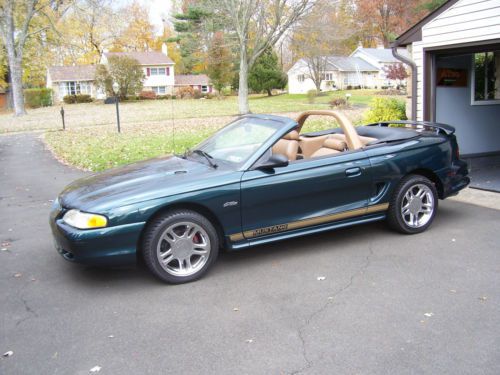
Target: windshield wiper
x=207, y=156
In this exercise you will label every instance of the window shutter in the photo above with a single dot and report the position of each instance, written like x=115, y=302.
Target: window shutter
x=167, y=71
x=148, y=72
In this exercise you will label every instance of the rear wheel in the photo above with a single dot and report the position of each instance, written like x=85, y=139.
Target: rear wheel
x=413, y=206
x=180, y=246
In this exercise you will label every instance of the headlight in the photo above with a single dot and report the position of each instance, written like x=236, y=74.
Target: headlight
x=83, y=220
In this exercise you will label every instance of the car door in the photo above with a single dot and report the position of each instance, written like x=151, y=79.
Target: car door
x=305, y=193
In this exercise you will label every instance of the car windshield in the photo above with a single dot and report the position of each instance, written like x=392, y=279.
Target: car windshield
x=238, y=141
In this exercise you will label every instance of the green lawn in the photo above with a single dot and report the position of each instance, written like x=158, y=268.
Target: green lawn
x=91, y=141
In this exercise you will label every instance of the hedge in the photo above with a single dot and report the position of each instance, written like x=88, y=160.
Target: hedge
x=36, y=98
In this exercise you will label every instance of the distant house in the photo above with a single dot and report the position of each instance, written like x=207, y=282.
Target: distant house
x=72, y=80
x=158, y=69
x=196, y=81
x=340, y=72
x=158, y=72
x=381, y=58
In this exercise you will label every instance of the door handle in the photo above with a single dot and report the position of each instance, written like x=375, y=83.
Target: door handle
x=353, y=172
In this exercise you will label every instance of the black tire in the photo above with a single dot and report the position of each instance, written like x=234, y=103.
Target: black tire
x=395, y=217
x=155, y=232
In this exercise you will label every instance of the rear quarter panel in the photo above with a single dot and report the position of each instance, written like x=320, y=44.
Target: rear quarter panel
x=391, y=162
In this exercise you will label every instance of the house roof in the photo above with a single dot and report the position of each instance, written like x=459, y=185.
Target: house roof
x=382, y=54
x=414, y=33
x=72, y=73
x=144, y=58
x=349, y=64
x=191, y=79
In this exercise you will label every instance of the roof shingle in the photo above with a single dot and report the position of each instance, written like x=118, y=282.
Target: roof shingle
x=72, y=73
x=191, y=79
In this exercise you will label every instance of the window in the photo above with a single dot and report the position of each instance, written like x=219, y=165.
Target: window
x=154, y=71
x=327, y=77
x=75, y=88
x=157, y=71
x=159, y=90
x=161, y=71
x=486, y=78
x=204, y=89
x=300, y=78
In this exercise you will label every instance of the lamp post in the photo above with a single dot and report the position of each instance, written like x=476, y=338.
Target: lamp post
x=116, y=87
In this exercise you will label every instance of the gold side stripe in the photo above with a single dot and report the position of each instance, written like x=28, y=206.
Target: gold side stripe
x=308, y=222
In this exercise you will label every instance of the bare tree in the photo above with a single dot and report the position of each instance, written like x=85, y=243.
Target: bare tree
x=16, y=18
x=258, y=25
x=17, y=26
x=317, y=37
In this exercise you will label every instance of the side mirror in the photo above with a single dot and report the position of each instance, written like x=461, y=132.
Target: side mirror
x=274, y=161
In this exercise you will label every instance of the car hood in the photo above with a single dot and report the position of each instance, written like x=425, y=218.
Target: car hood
x=139, y=182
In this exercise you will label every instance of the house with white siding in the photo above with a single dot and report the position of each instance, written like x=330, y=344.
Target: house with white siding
x=381, y=58
x=455, y=62
x=340, y=72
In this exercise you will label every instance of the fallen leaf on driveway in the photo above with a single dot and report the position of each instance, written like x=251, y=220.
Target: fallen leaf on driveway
x=16, y=275
x=483, y=298
x=429, y=314
x=453, y=291
x=4, y=249
x=453, y=240
x=111, y=337
x=8, y=354
x=249, y=341
x=236, y=309
x=321, y=278
x=330, y=298
x=96, y=369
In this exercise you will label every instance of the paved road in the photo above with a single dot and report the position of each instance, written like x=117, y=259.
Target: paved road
x=390, y=304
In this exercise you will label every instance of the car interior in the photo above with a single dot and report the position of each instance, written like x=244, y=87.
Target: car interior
x=296, y=146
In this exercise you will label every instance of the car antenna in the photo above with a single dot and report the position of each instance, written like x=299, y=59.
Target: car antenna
x=173, y=122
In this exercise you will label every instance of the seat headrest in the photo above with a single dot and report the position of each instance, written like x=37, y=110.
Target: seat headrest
x=292, y=136
x=335, y=144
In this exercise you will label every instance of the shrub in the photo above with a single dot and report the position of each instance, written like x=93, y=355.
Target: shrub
x=209, y=96
x=349, y=87
x=197, y=94
x=311, y=96
x=163, y=97
x=338, y=103
x=69, y=99
x=83, y=98
x=174, y=97
x=385, y=109
x=36, y=98
x=185, y=92
x=147, y=95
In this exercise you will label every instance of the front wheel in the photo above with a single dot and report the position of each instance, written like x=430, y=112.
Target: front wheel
x=180, y=246
x=413, y=206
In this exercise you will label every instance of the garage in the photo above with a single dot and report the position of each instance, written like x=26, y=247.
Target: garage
x=455, y=63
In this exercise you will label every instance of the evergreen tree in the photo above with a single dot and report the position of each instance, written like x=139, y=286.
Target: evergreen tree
x=266, y=74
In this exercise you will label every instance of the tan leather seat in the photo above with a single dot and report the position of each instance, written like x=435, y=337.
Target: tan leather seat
x=364, y=140
x=288, y=145
x=309, y=145
x=330, y=146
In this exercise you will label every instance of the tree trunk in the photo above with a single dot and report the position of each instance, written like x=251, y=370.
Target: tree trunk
x=243, y=86
x=269, y=92
x=16, y=77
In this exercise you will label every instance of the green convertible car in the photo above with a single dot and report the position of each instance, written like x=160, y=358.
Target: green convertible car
x=257, y=180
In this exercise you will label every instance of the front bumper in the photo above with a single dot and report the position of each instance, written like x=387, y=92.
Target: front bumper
x=111, y=246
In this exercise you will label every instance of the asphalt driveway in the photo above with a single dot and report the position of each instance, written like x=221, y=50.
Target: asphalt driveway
x=389, y=304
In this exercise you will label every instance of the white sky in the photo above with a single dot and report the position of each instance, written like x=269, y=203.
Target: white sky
x=158, y=9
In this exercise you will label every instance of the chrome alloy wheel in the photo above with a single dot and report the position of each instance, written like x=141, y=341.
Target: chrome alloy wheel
x=183, y=249
x=417, y=206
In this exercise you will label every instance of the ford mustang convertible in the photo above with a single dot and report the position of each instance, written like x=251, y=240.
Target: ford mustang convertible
x=257, y=180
